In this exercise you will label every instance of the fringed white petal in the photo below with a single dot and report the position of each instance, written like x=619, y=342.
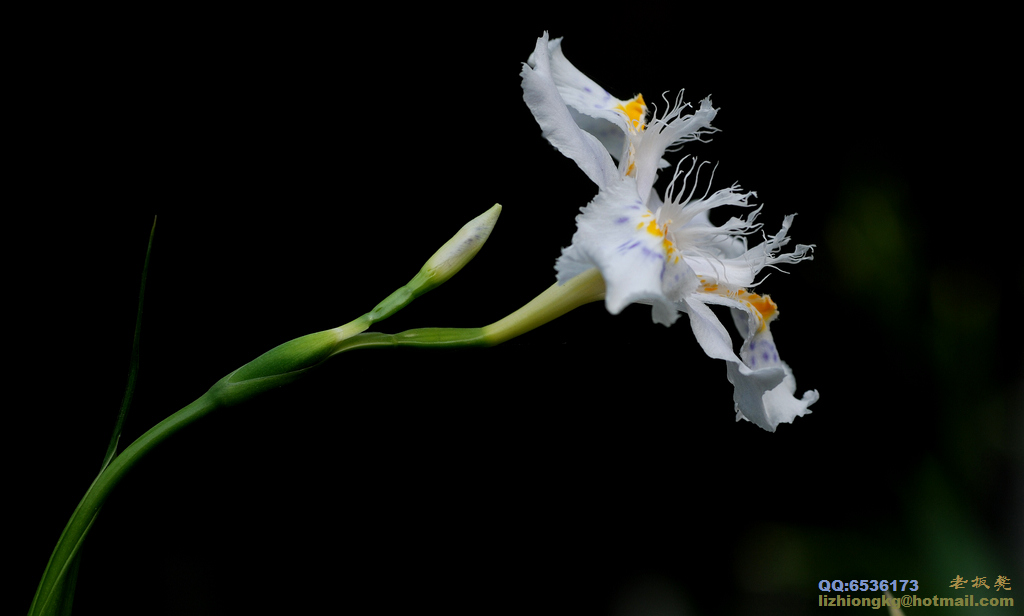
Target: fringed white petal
x=744, y=268
x=668, y=132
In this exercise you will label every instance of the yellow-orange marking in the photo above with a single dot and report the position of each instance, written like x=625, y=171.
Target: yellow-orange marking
x=635, y=110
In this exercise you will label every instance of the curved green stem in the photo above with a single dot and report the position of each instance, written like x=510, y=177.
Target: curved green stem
x=285, y=364
x=89, y=507
x=276, y=367
x=556, y=301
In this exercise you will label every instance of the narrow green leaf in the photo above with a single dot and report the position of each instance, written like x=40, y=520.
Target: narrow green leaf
x=133, y=366
x=59, y=598
x=65, y=591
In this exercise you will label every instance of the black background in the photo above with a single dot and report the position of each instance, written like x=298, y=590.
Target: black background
x=304, y=166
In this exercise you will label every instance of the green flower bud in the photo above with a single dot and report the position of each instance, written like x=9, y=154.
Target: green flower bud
x=287, y=361
x=456, y=252
x=445, y=263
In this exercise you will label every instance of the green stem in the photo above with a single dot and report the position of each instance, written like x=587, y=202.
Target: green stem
x=556, y=301
x=85, y=514
x=281, y=366
x=274, y=368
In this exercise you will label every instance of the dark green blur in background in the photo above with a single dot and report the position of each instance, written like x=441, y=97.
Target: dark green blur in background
x=304, y=166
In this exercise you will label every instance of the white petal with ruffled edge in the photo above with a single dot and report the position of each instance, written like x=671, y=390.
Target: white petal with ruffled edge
x=593, y=108
x=764, y=385
x=557, y=124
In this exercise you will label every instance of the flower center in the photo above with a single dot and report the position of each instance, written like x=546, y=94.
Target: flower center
x=661, y=231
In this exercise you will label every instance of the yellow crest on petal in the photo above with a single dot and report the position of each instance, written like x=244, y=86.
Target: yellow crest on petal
x=765, y=308
x=636, y=110
x=761, y=303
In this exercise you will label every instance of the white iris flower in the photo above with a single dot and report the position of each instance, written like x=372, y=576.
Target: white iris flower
x=665, y=252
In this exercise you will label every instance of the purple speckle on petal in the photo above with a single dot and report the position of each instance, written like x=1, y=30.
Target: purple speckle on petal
x=622, y=220
x=753, y=362
x=624, y=246
x=765, y=356
x=657, y=256
x=587, y=89
x=752, y=345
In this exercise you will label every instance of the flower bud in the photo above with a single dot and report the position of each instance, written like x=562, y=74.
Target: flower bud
x=445, y=263
x=456, y=252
